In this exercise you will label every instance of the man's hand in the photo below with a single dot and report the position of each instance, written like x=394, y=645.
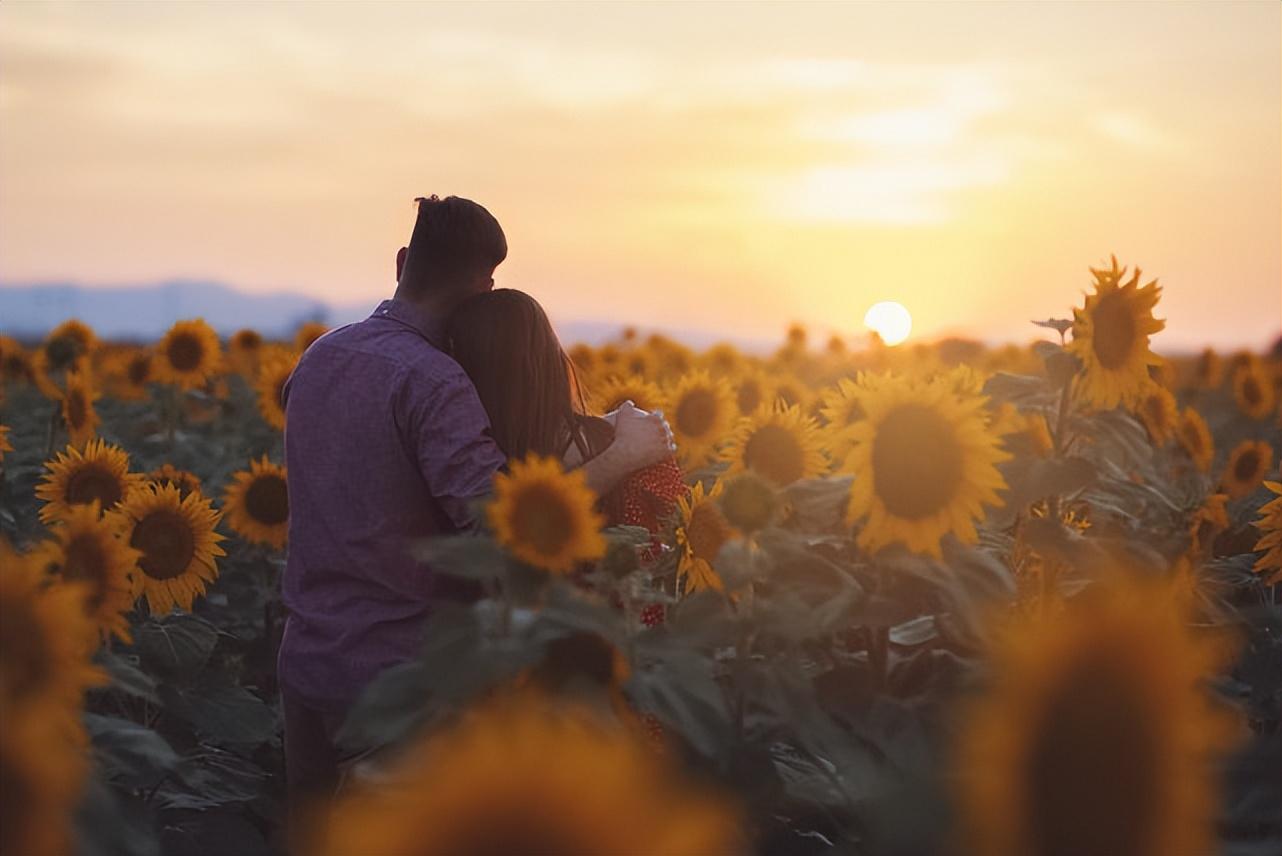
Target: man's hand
x=640, y=439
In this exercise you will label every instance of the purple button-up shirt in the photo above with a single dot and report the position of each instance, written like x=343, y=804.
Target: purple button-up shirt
x=386, y=442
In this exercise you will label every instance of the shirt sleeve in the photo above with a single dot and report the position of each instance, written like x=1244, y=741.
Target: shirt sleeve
x=449, y=435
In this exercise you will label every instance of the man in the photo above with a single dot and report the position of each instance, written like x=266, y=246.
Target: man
x=386, y=443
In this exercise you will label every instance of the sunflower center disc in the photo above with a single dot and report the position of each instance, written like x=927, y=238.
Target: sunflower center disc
x=26, y=665
x=185, y=353
x=1092, y=771
x=89, y=483
x=543, y=521
x=167, y=544
x=1251, y=391
x=1114, y=336
x=139, y=370
x=916, y=462
x=774, y=452
x=267, y=500
x=697, y=413
x=708, y=532
x=62, y=352
x=86, y=562
x=1247, y=464
x=748, y=396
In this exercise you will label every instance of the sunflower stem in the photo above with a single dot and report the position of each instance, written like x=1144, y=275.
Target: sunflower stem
x=52, y=434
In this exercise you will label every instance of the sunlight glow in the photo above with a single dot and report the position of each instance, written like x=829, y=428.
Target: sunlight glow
x=890, y=321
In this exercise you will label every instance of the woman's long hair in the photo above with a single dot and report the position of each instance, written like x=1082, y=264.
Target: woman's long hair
x=529, y=388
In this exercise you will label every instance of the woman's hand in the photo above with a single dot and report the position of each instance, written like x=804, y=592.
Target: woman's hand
x=640, y=439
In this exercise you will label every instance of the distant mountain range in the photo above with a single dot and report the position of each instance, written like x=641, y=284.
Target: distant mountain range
x=144, y=312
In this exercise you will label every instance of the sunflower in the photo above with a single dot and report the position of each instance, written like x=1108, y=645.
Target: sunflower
x=85, y=549
x=273, y=371
x=130, y=371
x=188, y=355
x=924, y=464
x=789, y=390
x=722, y=360
x=841, y=408
x=1248, y=463
x=1195, y=438
x=176, y=538
x=308, y=333
x=1022, y=430
x=41, y=778
x=98, y=473
x=523, y=776
x=778, y=443
x=257, y=504
x=1206, y=524
x=76, y=333
x=1270, y=544
x=1208, y=371
x=1097, y=735
x=1159, y=413
x=583, y=357
x=752, y=390
x=1111, y=338
x=185, y=481
x=15, y=362
x=78, y=413
x=1253, y=390
x=545, y=516
x=749, y=502
x=46, y=640
x=702, y=530
x=618, y=389
x=702, y=412
x=5, y=445
x=244, y=348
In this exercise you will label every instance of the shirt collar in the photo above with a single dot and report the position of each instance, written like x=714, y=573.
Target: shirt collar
x=404, y=312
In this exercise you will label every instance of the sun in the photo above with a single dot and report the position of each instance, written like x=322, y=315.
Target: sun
x=889, y=320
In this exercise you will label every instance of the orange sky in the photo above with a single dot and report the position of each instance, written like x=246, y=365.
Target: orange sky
x=717, y=167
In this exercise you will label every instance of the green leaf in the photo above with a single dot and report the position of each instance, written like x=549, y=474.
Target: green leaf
x=176, y=646
x=1059, y=325
x=227, y=715
x=127, y=678
x=130, y=754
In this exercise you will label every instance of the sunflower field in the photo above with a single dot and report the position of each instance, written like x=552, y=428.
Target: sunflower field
x=932, y=599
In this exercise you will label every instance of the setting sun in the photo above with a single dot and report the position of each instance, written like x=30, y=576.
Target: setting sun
x=889, y=320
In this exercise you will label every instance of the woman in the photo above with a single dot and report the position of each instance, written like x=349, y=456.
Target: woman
x=529, y=388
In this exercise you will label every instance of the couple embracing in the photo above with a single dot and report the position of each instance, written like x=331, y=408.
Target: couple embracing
x=395, y=426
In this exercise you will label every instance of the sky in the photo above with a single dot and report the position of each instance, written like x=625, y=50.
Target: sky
x=716, y=167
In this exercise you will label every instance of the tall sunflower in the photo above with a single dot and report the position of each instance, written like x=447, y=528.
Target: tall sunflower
x=545, y=516
x=1111, y=337
x=780, y=444
x=186, y=482
x=15, y=362
x=130, y=371
x=188, y=355
x=273, y=371
x=176, y=538
x=1269, y=524
x=924, y=464
x=1248, y=464
x=525, y=777
x=752, y=390
x=86, y=549
x=257, y=504
x=78, y=413
x=702, y=530
x=1097, y=735
x=244, y=348
x=1208, y=370
x=1253, y=390
x=1195, y=438
x=620, y=388
x=842, y=407
x=99, y=473
x=722, y=360
x=702, y=412
x=1159, y=413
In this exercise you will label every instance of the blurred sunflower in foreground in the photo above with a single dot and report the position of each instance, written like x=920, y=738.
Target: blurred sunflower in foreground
x=85, y=549
x=188, y=355
x=1097, y=735
x=924, y=464
x=702, y=530
x=779, y=443
x=257, y=504
x=99, y=473
x=177, y=542
x=522, y=777
x=1270, y=544
x=1111, y=338
x=545, y=516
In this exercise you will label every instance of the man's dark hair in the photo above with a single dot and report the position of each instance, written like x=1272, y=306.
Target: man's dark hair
x=454, y=239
